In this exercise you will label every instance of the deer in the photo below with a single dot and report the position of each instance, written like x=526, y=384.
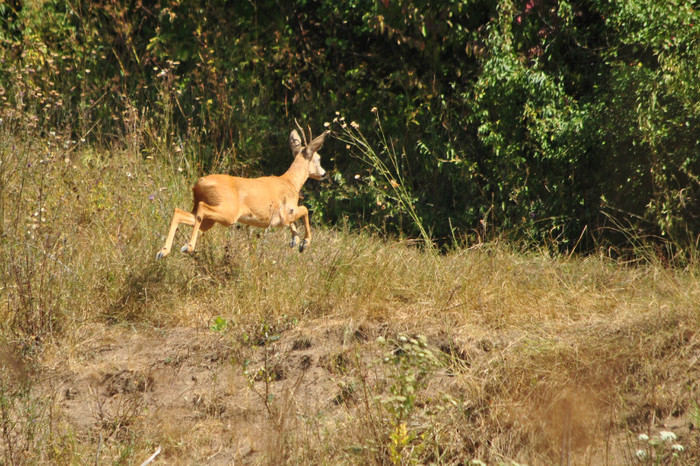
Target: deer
x=265, y=202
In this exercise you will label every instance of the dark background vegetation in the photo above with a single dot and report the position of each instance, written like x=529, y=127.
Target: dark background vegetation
x=567, y=123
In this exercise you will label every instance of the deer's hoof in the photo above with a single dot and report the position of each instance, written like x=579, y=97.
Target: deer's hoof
x=161, y=254
x=303, y=245
x=186, y=248
x=294, y=241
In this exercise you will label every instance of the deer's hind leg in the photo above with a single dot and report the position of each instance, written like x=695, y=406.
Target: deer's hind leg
x=179, y=216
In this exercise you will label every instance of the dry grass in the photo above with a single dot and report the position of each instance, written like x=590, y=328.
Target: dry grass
x=251, y=352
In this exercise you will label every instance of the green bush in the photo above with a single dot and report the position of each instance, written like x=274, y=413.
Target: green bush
x=545, y=120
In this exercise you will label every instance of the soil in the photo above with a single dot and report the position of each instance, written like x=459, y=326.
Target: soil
x=185, y=383
x=216, y=397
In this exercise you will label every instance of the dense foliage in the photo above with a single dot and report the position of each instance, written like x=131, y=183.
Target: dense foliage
x=556, y=121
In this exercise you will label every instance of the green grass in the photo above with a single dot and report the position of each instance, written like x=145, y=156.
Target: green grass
x=316, y=357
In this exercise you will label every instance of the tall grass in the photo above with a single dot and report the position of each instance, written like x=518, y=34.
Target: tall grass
x=385, y=161
x=494, y=354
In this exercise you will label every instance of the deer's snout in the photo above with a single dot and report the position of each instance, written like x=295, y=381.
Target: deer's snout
x=320, y=175
x=316, y=171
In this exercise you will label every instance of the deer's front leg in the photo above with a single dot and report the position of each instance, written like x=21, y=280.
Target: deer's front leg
x=295, y=235
x=303, y=213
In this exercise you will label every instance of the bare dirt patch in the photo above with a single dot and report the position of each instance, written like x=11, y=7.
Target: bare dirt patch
x=330, y=389
x=188, y=389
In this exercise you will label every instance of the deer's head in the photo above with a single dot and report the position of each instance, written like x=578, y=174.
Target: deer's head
x=308, y=151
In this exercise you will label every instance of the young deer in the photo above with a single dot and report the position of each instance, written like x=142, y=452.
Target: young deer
x=265, y=202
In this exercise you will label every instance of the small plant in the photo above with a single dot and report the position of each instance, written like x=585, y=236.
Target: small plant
x=410, y=362
x=660, y=449
x=219, y=325
x=695, y=414
x=401, y=440
x=260, y=381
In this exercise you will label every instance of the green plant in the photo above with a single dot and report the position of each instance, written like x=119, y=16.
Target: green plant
x=695, y=413
x=394, y=188
x=659, y=449
x=219, y=324
x=410, y=363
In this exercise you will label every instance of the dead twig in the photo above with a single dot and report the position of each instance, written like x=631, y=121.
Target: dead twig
x=152, y=457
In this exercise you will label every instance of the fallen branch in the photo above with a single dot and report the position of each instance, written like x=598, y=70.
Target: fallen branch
x=152, y=457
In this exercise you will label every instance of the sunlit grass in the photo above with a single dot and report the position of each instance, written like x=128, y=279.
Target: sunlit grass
x=538, y=358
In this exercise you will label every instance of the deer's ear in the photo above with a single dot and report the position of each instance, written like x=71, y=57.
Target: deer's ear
x=294, y=142
x=315, y=145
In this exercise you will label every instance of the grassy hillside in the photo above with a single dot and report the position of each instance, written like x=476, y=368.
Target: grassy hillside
x=358, y=351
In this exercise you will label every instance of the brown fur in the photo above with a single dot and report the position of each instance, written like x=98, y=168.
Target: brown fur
x=264, y=202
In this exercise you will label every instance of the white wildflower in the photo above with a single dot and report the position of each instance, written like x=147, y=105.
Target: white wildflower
x=667, y=436
x=677, y=447
x=641, y=454
x=643, y=438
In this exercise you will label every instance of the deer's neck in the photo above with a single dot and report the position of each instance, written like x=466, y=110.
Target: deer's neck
x=298, y=173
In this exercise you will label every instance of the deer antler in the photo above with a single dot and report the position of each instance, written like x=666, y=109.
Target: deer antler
x=311, y=138
x=302, y=132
